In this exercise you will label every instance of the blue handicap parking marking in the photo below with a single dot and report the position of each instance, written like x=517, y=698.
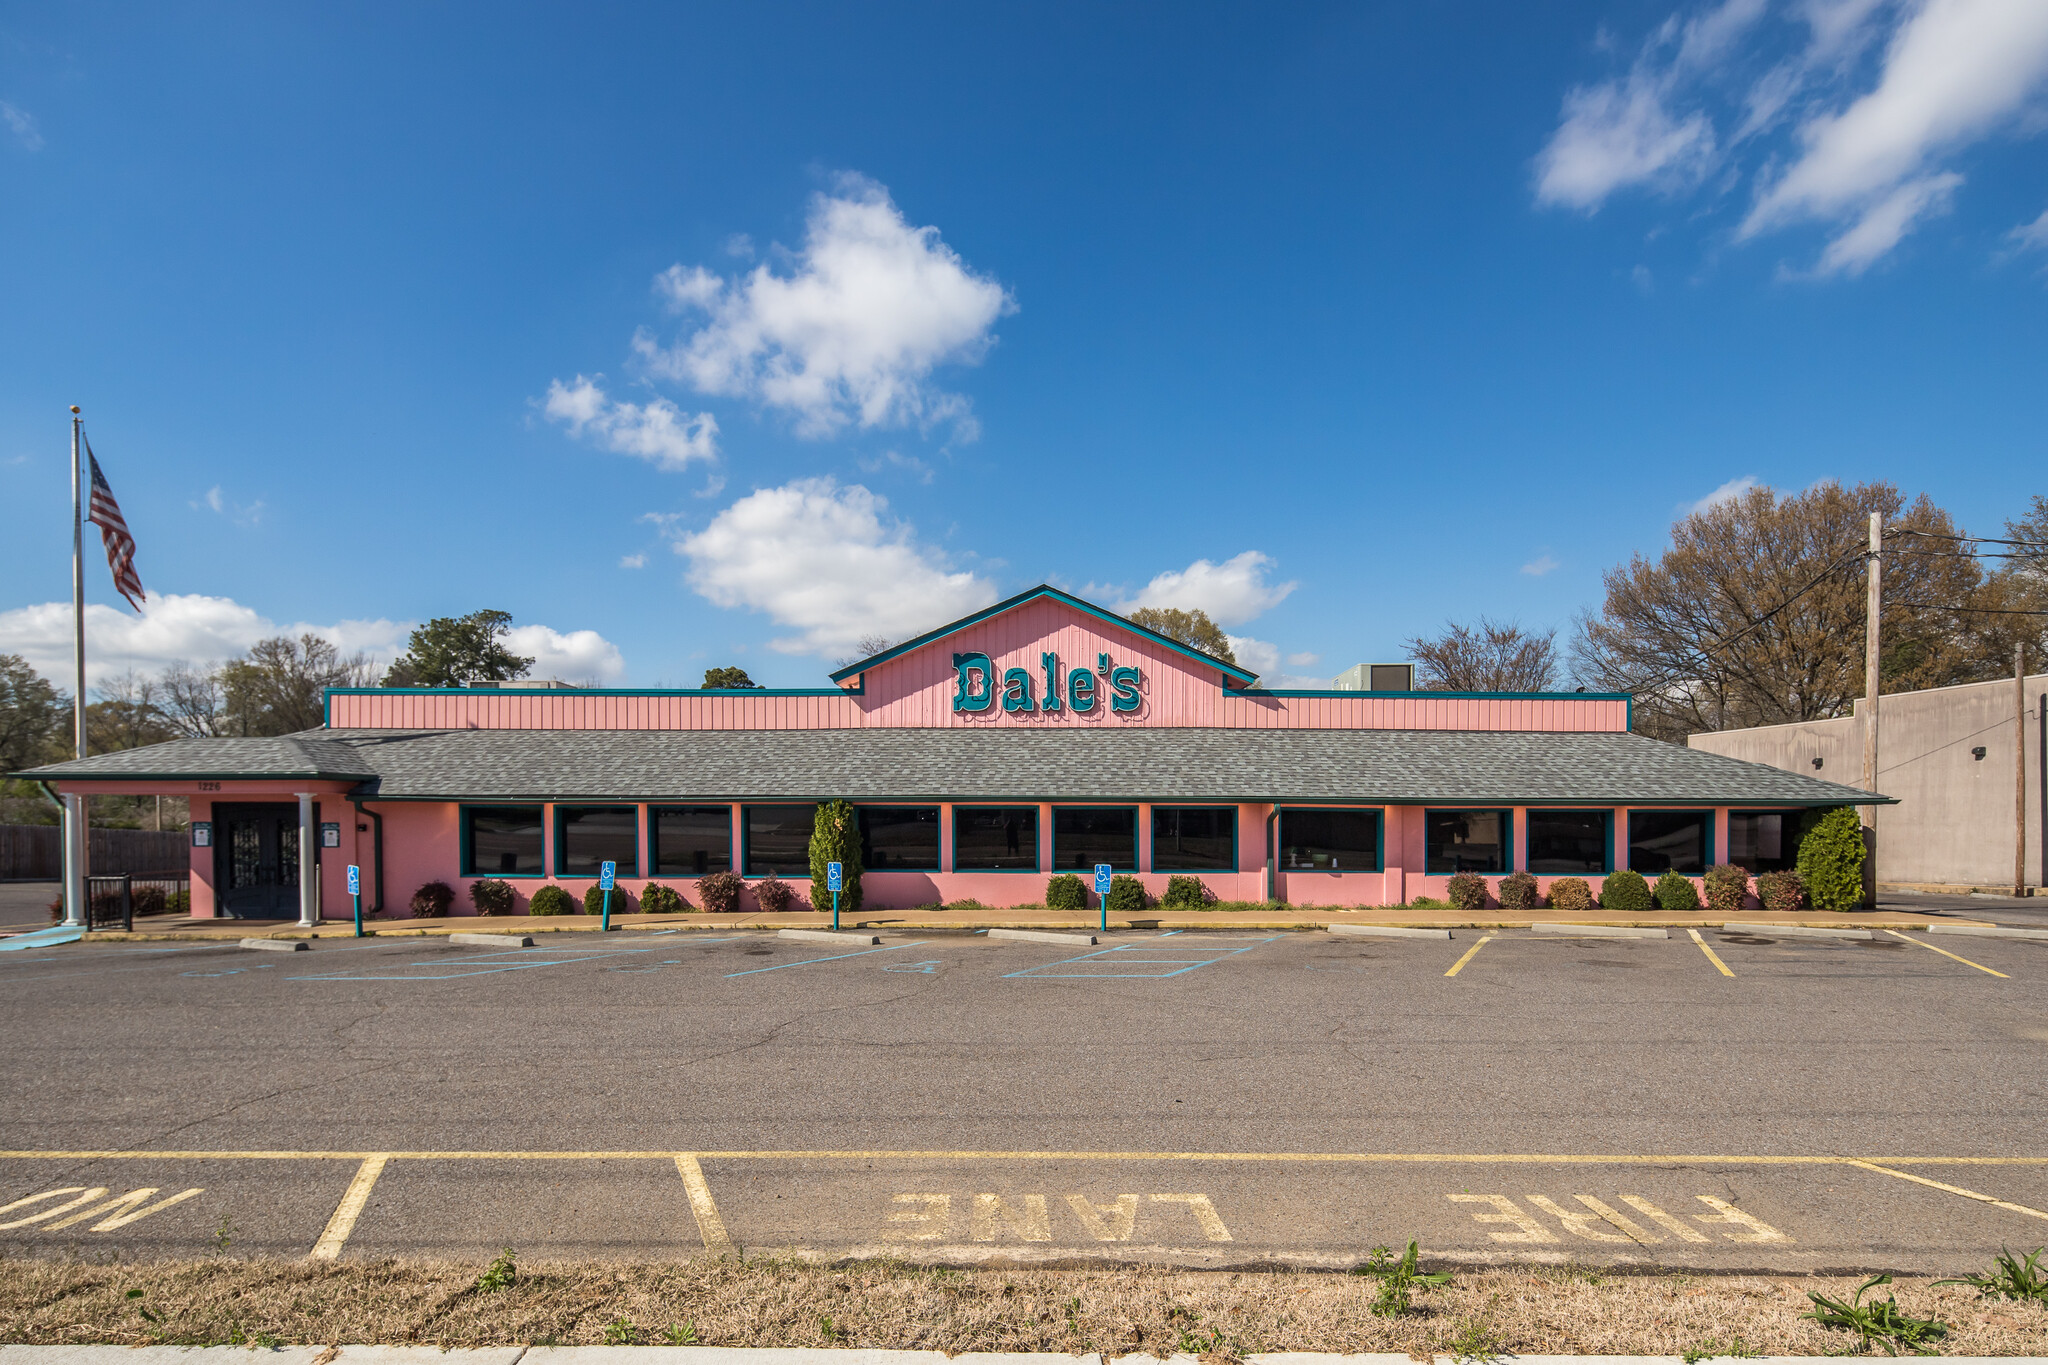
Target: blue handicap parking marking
x=1189, y=955
x=926, y=967
x=836, y=957
x=517, y=960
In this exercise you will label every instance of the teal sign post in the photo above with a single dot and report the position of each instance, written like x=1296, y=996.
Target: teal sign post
x=1102, y=874
x=355, y=893
x=606, y=874
x=835, y=878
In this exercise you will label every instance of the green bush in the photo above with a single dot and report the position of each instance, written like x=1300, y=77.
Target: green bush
x=1781, y=892
x=1126, y=896
x=835, y=838
x=1467, y=891
x=492, y=897
x=1185, y=893
x=720, y=892
x=1675, y=891
x=1627, y=892
x=1571, y=894
x=1727, y=889
x=1831, y=859
x=1518, y=892
x=178, y=903
x=1065, y=892
x=593, y=901
x=551, y=900
x=662, y=900
x=772, y=894
x=432, y=900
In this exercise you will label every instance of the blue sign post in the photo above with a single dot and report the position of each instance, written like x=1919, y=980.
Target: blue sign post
x=1102, y=872
x=835, y=878
x=355, y=893
x=606, y=873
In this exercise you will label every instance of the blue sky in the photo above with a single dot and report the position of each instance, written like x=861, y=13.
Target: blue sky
x=701, y=335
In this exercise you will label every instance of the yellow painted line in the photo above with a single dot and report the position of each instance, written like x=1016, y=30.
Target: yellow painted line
x=851, y=1154
x=336, y=1234
x=1945, y=953
x=1712, y=956
x=1484, y=939
x=1952, y=1189
x=709, y=1225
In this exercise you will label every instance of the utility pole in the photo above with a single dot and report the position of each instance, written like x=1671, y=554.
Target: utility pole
x=1873, y=611
x=2019, y=769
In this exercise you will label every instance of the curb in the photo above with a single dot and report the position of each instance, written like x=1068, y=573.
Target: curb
x=493, y=940
x=276, y=945
x=1043, y=936
x=1604, y=931
x=1386, y=931
x=1809, y=930
x=1988, y=931
x=827, y=936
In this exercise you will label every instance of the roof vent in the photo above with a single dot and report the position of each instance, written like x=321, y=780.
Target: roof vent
x=1376, y=678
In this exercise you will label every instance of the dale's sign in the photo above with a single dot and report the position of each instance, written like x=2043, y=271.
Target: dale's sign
x=1073, y=689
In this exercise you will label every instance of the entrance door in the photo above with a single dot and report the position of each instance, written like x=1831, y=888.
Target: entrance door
x=256, y=860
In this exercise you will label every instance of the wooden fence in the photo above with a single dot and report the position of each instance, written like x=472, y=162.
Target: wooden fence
x=36, y=852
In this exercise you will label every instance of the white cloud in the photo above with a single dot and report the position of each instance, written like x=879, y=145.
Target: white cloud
x=1727, y=492
x=638, y=561
x=894, y=459
x=1232, y=592
x=1263, y=658
x=851, y=334
x=820, y=558
x=1539, y=566
x=658, y=430
x=242, y=514
x=1886, y=221
x=2030, y=236
x=22, y=124
x=1303, y=659
x=213, y=498
x=579, y=656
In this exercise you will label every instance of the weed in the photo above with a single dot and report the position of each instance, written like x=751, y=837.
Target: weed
x=236, y=1336
x=619, y=1332
x=830, y=1330
x=264, y=1341
x=499, y=1274
x=1074, y=1314
x=1212, y=1342
x=1475, y=1339
x=1398, y=1279
x=686, y=1335
x=1736, y=1349
x=135, y=1293
x=224, y=1236
x=2011, y=1277
x=1878, y=1322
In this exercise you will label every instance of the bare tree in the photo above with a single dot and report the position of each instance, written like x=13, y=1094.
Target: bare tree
x=1491, y=657
x=278, y=688
x=193, y=701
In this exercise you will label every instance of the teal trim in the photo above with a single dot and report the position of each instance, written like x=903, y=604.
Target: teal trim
x=1606, y=815
x=1706, y=832
x=1507, y=854
x=1111, y=806
x=1455, y=696
x=1379, y=833
x=466, y=855
x=589, y=692
x=938, y=811
x=1229, y=670
x=654, y=810
x=1032, y=870
x=747, y=810
x=561, y=825
x=1234, y=850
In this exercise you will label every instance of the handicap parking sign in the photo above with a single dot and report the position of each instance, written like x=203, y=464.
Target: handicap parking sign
x=605, y=873
x=355, y=880
x=833, y=878
x=1102, y=871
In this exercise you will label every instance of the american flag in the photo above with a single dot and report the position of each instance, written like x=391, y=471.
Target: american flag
x=106, y=514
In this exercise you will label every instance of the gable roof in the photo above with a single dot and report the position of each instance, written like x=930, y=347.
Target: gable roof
x=1230, y=671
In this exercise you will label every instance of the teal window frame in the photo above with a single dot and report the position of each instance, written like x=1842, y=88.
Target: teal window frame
x=1235, y=852
x=938, y=843
x=1606, y=814
x=1036, y=843
x=1707, y=823
x=1379, y=840
x=561, y=827
x=467, y=845
x=1114, y=867
x=1792, y=818
x=747, y=837
x=1507, y=836
x=654, y=810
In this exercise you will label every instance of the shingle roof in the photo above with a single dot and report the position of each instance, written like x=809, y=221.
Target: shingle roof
x=1400, y=766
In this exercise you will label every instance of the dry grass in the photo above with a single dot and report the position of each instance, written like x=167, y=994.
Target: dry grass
x=881, y=1304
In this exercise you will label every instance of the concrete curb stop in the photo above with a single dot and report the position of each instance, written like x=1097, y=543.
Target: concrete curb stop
x=1043, y=936
x=1600, y=931
x=827, y=936
x=1809, y=930
x=1386, y=931
x=277, y=945
x=493, y=940
x=1988, y=931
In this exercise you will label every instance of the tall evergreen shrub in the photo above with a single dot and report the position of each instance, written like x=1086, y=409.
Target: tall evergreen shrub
x=1831, y=860
x=835, y=838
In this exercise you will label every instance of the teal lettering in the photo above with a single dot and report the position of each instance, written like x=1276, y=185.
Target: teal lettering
x=1051, y=662
x=972, y=695
x=1124, y=682
x=1081, y=689
x=1017, y=690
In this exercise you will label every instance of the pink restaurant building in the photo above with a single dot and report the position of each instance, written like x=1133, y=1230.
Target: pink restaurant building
x=1042, y=735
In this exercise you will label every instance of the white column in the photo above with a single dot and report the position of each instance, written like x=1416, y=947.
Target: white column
x=77, y=848
x=309, y=871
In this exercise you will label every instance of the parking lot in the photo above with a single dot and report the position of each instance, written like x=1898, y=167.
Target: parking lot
x=1728, y=1100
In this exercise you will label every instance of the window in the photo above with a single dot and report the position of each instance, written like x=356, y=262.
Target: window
x=1569, y=843
x=995, y=838
x=588, y=835
x=1668, y=841
x=779, y=840
x=502, y=841
x=1467, y=840
x=1763, y=840
x=899, y=838
x=1083, y=836
x=1330, y=840
x=689, y=841
x=1194, y=839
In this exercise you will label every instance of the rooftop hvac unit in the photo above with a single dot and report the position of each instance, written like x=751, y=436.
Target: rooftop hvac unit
x=1377, y=678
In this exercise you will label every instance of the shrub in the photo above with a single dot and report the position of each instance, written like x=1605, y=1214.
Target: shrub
x=1781, y=892
x=178, y=903
x=1727, y=889
x=492, y=897
x=1185, y=893
x=1065, y=892
x=772, y=894
x=147, y=900
x=593, y=900
x=662, y=900
x=432, y=900
x=551, y=900
x=1571, y=894
x=1675, y=891
x=1626, y=891
x=1126, y=896
x=1831, y=860
x=1518, y=892
x=1467, y=891
x=720, y=892
x=835, y=838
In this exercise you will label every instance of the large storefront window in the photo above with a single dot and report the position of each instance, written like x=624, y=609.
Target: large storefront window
x=1194, y=838
x=1467, y=841
x=779, y=840
x=899, y=838
x=995, y=838
x=1662, y=841
x=1083, y=836
x=689, y=841
x=1568, y=843
x=586, y=836
x=502, y=841
x=1330, y=840
x=1763, y=840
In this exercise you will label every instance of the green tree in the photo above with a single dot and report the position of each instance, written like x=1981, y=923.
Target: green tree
x=727, y=677
x=1831, y=859
x=835, y=838
x=32, y=716
x=1191, y=628
x=1487, y=658
x=454, y=651
x=279, y=687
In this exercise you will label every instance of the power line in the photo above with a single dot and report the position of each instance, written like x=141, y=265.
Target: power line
x=1986, y=611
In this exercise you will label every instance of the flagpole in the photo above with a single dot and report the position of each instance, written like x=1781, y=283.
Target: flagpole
x=76, y=840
